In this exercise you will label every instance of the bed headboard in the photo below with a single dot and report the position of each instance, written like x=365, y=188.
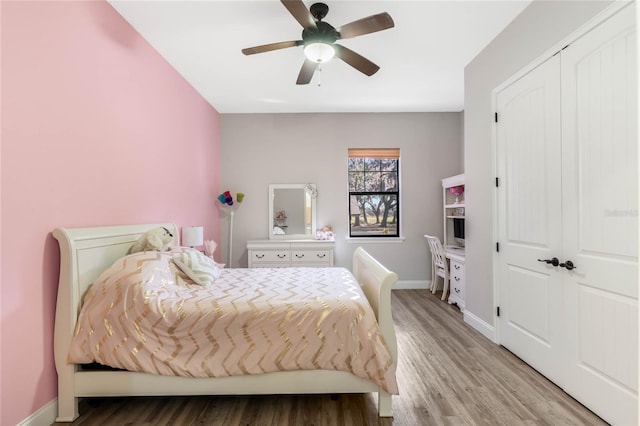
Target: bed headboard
x=84, y=254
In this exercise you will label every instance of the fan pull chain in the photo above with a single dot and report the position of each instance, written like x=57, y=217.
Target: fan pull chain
x=319, y=75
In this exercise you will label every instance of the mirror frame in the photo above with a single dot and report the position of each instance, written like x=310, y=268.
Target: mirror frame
x=305, y=187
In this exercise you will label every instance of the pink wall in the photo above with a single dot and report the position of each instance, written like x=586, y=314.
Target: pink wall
x=97, y=129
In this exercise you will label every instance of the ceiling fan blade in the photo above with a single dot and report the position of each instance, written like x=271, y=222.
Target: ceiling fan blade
x=306, y=72
x=300, y=13
x=357, y=61
x=271, y=46
x=370, y=24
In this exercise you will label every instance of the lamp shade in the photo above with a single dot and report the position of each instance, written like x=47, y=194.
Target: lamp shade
x=319, y=52
x=192, y=236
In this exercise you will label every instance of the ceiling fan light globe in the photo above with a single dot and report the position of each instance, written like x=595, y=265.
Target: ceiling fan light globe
x=319, y=52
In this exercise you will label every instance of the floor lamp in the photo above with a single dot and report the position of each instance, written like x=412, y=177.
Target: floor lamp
x=229, y=207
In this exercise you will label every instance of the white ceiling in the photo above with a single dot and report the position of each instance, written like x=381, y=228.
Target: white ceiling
x=421, y=59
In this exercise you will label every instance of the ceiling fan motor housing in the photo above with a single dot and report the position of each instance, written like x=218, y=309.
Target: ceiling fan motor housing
x=325, y=33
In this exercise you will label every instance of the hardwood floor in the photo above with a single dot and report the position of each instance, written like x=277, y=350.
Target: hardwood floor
x=448, y=374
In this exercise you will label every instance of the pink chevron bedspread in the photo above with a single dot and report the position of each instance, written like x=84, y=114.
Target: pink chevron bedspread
x=144, y=314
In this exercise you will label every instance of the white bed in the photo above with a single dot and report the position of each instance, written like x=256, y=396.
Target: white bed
x=86, y=252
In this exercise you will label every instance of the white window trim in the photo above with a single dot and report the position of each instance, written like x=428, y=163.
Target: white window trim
x=376, y=240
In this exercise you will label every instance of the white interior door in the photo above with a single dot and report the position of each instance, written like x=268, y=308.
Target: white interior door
x=600, y=218
x=529, y=218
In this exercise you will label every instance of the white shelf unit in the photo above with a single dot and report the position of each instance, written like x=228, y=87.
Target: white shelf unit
x=454, y=249
x=452, y=210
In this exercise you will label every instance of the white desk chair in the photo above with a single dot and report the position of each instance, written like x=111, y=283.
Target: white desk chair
x=439, y=264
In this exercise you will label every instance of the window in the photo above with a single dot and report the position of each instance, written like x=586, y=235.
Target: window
x=374, y=193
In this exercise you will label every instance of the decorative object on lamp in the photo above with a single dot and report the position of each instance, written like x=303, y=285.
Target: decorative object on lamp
x=457, y=191
x=228, y=206
x=192, y=236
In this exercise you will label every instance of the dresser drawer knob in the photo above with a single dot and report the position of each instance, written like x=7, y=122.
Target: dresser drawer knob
x=321, y=256
x=456, y=278
x=281, y=256
x=259, y=256
x=299, y=256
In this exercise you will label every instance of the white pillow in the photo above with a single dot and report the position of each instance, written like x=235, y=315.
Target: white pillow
x=200, y=268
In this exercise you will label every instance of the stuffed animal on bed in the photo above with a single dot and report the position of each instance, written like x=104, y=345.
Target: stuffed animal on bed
x=157, y=239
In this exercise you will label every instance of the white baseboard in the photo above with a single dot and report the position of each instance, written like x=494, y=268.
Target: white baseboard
x=487, y=330
x=45, y=416
x=412, y=285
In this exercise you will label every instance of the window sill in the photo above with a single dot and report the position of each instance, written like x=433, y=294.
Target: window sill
x=357, y=240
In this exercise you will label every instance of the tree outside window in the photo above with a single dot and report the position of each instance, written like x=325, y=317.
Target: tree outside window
x=374, y=190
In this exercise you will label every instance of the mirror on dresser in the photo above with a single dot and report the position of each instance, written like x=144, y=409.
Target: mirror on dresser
x=292, y=210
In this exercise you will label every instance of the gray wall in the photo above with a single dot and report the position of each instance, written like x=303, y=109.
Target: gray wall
x=537, y=29
x=259, y=149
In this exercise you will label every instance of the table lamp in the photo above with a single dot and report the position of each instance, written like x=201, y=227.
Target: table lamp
x=192, y=236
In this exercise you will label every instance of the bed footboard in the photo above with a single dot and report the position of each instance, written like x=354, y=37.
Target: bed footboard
x=376, y=282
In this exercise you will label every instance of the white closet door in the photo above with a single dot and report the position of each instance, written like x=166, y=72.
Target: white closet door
x=600, y=218
x=529, y=218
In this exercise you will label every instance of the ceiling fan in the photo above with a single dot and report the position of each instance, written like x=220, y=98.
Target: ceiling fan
x=319, y=38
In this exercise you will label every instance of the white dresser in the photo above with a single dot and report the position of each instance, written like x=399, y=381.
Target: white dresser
x=289, y=253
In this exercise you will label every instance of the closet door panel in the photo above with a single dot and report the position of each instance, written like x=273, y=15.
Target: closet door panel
x=603, y=130
x=600, y=217
x=529, y=218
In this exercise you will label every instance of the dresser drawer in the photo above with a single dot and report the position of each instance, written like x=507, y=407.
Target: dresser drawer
x=457, y=279
x=457, y=270
x=310, y=256
x=269, y=256
x=457, y=287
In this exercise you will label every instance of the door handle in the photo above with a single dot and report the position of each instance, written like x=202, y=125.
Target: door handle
x=568, y=264
x=553, y=261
